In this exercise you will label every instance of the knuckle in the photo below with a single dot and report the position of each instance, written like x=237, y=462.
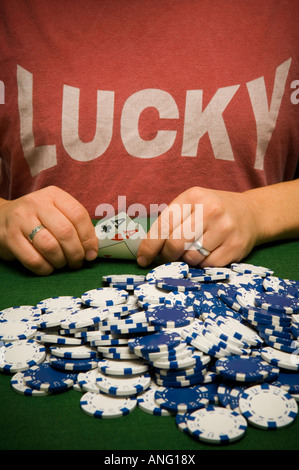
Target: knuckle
x=65, y=231
x=36, y=264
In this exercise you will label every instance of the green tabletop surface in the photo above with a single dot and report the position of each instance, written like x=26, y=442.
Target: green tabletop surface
x=56, y=422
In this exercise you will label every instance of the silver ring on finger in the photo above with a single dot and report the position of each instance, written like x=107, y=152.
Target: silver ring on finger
x=201, y=249
x=35, y=231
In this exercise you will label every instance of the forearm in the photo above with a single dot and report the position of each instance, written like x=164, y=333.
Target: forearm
x=277, y=210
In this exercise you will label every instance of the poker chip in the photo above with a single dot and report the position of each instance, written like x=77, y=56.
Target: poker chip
x=123, y=386
x=47, y=338
x=283, y=286
x=87, y=380
x=184, y=399
x=240, y=331
x=179, y=285
x=194, y=360
x=215, y=424
x=277, y=302
x=104, y=296
x=17, y=330
x=201, y=275
x=64, y=301
x=124, y=278
x=268, y=407
x=19, y=385
x=146, y=402
x=246, y=268
x=150, y=293
x=288, y=380
x=104, y=406
x=281, y=359
x=18, y=356
x=53, y=318
x=85, y=317
x=243, y=368
x=73, y=364
x=73, y=352
x=160, y=341
x=175, y=269
x=170, y=316
x=114, y=367
x=45, y=377
x=21, y=312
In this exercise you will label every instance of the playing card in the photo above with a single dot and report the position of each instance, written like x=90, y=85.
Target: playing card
x=119, y=237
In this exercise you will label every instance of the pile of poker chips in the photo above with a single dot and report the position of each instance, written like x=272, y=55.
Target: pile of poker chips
x=217, y=348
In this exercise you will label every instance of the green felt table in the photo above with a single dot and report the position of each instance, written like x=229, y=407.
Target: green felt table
x=57, y=422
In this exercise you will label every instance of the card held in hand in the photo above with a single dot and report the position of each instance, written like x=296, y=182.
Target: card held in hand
x=119, y=237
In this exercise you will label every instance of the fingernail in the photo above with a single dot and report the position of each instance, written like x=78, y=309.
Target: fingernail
x=142, y=261
x=91, y=255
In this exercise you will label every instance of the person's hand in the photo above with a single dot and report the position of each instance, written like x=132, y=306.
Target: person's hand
x=229, y=229
x=68, y=236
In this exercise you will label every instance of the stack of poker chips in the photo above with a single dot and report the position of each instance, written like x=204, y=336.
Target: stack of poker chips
x=216, y=348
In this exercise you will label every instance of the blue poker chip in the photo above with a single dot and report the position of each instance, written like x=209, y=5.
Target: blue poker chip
x=180, y=285
x=271, y=331
x=266, y=317
x=243, y=368
x=160, y=341
x=228, y=394
x=277, y=302
x=228, y=295
x=211, y=304
x=201, y=275
x=282, y=286
x=73, y=364
x=45, y=377
x=170, y=317
x=182, y=400
x=288, y=380
x=295, y=330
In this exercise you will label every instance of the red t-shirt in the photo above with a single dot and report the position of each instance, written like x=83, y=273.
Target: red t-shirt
x=144, y=99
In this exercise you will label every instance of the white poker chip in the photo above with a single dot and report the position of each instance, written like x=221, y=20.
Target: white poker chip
x=87, y=380
x=246, y=268
x=246, y=298
x=85, y=317
x=64, y=301
x=123, y=367
x=150, y=293
x=55, y=317
x=216, y=271
x=281, y=359
x=240, y=331
x=17, y=330
x=47, y=338
x=215, y=424
x=21, y=312
x=19, y=385
x=104, y=296
x=147, y=403
x=123, y=386
x=268, y=407
x=175, y=269
x=20, y=355
x=73, y=352
x=104, y=406
x=126, y=278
